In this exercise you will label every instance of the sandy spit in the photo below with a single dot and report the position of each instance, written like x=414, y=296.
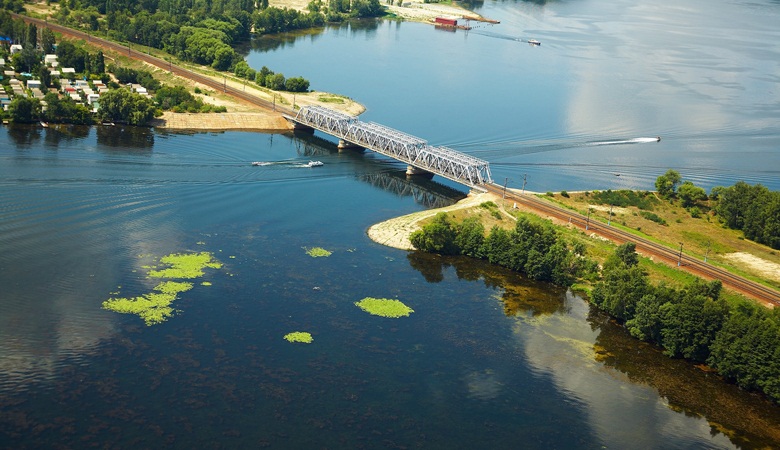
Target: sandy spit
x=395, y=232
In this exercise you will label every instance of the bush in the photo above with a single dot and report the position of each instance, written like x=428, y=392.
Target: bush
x=564, y=194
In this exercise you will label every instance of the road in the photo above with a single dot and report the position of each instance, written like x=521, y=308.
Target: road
x=648, y=248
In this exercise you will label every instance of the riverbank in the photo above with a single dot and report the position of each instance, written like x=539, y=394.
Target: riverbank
x=395, y=232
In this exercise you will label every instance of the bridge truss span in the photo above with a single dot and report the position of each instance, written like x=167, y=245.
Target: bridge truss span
x=413, y=151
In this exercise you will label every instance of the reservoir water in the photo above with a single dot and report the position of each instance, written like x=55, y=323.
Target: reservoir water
x=487, y=359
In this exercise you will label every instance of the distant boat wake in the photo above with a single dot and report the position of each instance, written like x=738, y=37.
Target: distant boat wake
x=627, y=141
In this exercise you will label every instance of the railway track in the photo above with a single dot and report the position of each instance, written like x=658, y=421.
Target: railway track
x=161, y=63
x=649, y=248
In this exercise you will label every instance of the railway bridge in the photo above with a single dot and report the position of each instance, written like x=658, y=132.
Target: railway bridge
x=419, y=157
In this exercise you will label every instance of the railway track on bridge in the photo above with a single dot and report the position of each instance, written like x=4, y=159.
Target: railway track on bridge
x=161, y=63
x=649, y=248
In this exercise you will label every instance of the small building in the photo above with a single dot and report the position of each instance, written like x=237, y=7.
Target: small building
x=54, y=73
x=33, y=84
x=2, y=62
x=16, y=48
x=9, y=73
x=49, y=59
x=82, y=84
x=446, y=21
x=68, y=71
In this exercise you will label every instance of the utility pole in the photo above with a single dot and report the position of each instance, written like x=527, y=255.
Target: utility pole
x=587, y=223
x=506, y=179
x=224, y=86
x=679, y=258
x=708, y=251
x=524, y=179
x=609, y=221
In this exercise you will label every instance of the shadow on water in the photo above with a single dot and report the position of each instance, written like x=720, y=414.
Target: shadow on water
x=749, y=420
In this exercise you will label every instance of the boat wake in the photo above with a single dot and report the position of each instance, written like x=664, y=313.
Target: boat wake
x=626, y=141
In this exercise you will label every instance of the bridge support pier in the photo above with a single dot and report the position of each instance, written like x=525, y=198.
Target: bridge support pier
x=346, y=145
x=416, y=171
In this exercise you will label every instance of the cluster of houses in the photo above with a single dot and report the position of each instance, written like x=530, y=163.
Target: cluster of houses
x=81, y=91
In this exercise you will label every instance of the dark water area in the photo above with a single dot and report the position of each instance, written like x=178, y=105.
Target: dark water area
x=487, y=359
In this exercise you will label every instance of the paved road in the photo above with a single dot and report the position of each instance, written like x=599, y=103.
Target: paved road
x=657, y=251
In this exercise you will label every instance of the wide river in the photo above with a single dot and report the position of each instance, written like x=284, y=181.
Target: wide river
x=487, y=359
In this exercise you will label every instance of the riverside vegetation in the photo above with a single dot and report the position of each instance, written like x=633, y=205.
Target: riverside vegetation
x=689, y=319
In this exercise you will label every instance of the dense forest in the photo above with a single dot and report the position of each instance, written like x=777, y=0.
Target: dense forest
x=533, y=248
x=741, y=342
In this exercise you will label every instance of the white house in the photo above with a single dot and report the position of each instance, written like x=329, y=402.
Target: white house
x=49, y=59
x=33, y=84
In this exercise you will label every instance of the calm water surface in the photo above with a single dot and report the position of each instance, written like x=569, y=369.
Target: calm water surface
x=702, y=75
x=487, y=360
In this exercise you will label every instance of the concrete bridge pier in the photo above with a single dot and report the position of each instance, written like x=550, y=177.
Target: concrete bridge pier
x=346, y=145
x=417, y=172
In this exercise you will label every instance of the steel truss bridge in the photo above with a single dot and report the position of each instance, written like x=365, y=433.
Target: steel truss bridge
x=415, y=152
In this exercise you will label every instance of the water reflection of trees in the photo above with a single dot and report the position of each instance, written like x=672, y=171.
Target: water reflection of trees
x=283, y=40
x=749, y=420
x=124, y=138
x=518, y=294
x=24, y=136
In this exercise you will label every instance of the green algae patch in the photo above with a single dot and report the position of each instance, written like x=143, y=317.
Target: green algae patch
x=185, y=265
x=316, y=252
x=384, y=307
x=155, y=307
x=299, y=336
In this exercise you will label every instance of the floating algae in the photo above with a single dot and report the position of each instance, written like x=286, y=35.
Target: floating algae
x=299, y=336
x=185, y=265
x=384, y=307
x=316, y=252
x=155, y=307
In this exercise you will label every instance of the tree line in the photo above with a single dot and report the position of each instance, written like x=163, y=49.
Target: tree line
x=740, y=341
x=755, y=210
x=533, y=248
x=199, y=31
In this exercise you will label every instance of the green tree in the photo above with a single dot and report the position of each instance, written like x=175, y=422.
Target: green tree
x=436, y=237
x=666, y=184
x=690, y=194
x=47, y=41
x=121, y=105
x=25, y=110
x=747, y=349
x=296, y=84
x=470, y=236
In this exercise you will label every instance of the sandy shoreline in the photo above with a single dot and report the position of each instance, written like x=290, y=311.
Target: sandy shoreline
x=395, y=232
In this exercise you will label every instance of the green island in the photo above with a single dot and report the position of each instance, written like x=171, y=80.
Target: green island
x=384, y=307
x=155, y=307
x=682, y=314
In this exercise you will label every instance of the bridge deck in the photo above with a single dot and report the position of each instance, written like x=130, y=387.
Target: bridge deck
x=414, y=151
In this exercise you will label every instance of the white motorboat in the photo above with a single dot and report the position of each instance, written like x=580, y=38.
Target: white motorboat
x=314, y=164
